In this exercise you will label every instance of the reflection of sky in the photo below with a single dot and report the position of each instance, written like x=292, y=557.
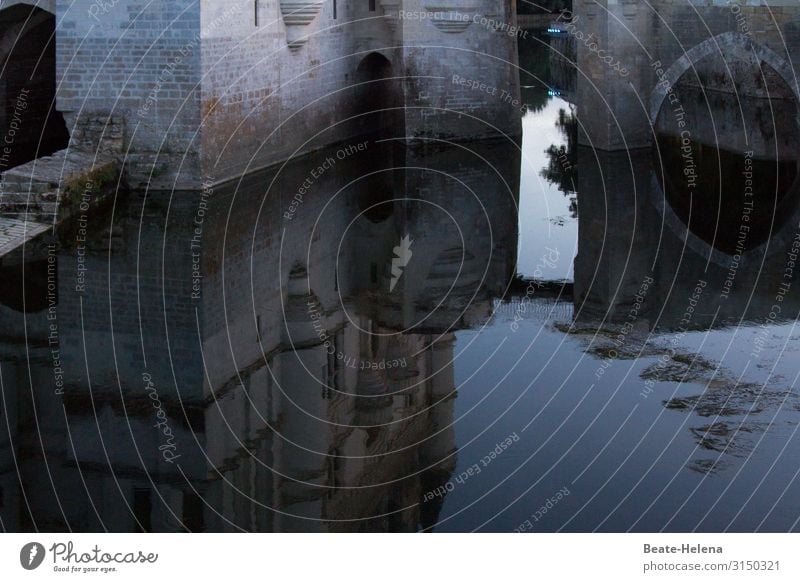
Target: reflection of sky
x=544, y=218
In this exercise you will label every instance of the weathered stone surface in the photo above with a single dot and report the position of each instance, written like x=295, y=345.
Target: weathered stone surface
x=15, y=232
x=206, y=91
x=670, y=36
x=57, y=170
x=49, y=189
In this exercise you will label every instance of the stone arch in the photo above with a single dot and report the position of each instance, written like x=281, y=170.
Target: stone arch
x=377, y=94
x=731, y=44
x=30, y=126
x=375, y=66
x=45, y=5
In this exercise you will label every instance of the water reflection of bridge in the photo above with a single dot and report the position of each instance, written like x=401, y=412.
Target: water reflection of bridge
x=297, y=392
x=689, y=169
x=628, y=233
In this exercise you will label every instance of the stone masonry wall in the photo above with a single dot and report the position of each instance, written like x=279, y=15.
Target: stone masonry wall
x=209, y=89
x=461, y=61
x=638, y=37
x=139, y=61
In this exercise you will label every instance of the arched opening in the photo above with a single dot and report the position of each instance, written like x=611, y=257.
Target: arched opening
x=728, y=145
x=30, y=127
x=377, y=95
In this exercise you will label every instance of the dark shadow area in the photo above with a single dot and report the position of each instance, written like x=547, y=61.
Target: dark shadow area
x=729, y=166
x=377, y=96
x=30, y=127
x=23, y=286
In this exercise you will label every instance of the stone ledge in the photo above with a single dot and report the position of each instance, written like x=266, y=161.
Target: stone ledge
x=49, y=189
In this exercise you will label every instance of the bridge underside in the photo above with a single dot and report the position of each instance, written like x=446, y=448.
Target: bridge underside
x=632, y=54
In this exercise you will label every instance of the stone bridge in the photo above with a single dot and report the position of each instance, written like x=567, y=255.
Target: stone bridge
x=203, y=90
x=690, y=144
x=752, y=44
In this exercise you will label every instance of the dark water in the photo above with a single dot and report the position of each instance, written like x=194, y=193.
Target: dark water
x=471, y=337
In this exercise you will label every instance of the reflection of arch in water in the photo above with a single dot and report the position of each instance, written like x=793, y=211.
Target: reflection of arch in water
x=378, y=93
x=738, y=114
x=376, y=200
x=29, y=123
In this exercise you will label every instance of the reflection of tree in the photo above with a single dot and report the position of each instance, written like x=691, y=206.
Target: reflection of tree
x=562, y=170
